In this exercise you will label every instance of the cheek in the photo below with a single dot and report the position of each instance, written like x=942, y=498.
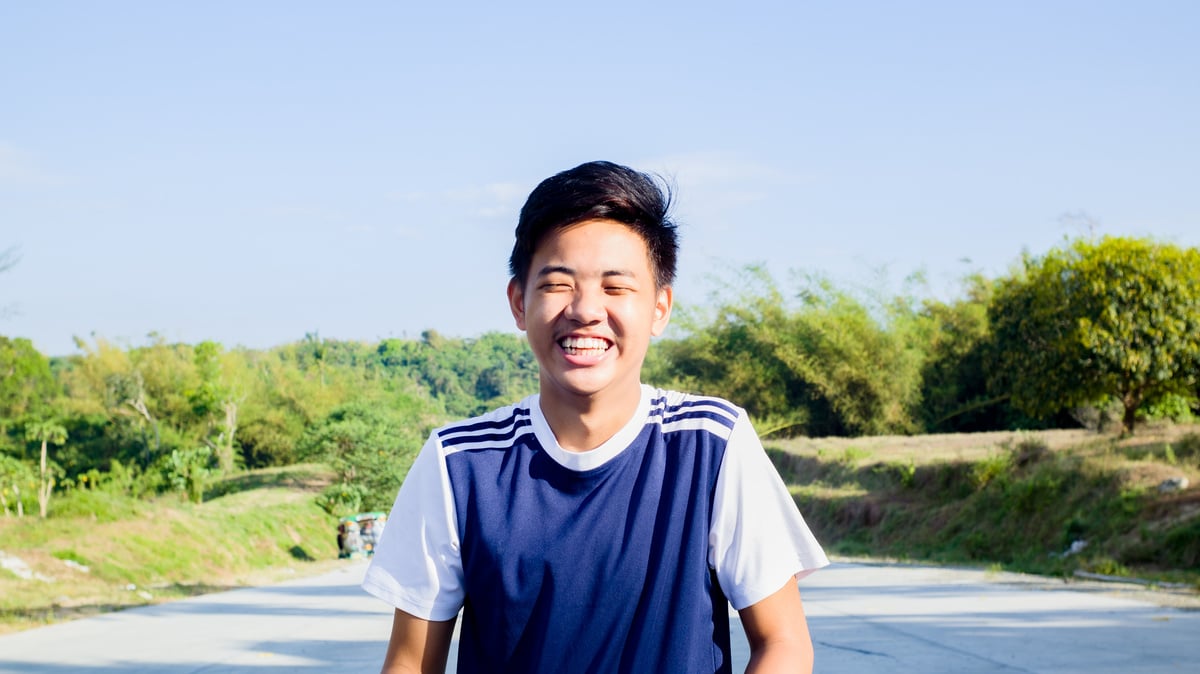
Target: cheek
x=543, y=310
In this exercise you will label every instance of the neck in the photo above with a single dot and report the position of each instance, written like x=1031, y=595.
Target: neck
x=584, y=423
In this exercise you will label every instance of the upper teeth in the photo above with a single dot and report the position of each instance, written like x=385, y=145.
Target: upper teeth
x=584, y=343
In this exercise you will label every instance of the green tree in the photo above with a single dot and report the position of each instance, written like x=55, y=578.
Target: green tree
x=954, y=383
x=1117, y=318
x=286, y=390
x=13, y=474
x=370, y=445
x=214, y=404
x=467, y=376
x=827, y=363
x=107, y=405
x=27, y=385
x=46, y=432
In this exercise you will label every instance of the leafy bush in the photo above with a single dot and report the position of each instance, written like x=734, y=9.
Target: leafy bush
x=188, y=471
x=18, y=486
x=1036, y=492
x=992, y=469
x=1172, y=407
x=342, y=499
x=1108, y=567
x=905, y=474
x=1187, y=448
x=1028, y=449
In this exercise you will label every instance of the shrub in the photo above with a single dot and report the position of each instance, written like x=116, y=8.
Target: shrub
x=188, y=471
x=1187, y=448
x=852, y=455
x=1108, y=567
x=992, y=469
x=1029, y=449
x=342, y=499
x=904, y=474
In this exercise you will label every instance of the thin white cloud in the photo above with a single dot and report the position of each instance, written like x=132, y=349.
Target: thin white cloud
x=496, y=193
x=302, y=212
x=704, y=171
x=480, y=198
x=409, y=196
x=489, y=201
x=714, y=189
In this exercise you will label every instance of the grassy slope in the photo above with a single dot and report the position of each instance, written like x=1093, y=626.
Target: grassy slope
x=1012, y=500
x=254, y=528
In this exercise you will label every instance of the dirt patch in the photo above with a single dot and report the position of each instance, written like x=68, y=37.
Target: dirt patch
x=1150, y=474
x=929, y=448
x=971, y=446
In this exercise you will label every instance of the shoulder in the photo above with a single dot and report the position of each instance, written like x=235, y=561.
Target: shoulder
x=680, y=411
x=495, y=429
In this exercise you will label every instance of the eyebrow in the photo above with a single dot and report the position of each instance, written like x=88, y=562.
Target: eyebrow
x=562, y=269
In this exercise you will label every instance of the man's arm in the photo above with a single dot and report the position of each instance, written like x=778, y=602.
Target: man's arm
x=417, y=646
x=778, y=633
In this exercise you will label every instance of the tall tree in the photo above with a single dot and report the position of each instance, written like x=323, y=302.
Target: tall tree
x=45, y=432
x=1116, y=318
x=13, y=473
x=214, y=403
x=370, y=444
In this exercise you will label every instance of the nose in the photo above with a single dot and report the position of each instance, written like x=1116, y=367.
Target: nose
x=587, y=306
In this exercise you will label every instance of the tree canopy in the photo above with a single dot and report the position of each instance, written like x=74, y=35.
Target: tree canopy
x=1117, y=318
x=823, y=362
x=1094, y=324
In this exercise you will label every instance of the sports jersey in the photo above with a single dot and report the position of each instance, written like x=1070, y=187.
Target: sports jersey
x=619, y=559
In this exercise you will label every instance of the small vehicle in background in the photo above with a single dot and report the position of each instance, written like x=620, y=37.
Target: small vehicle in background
x=357, y=534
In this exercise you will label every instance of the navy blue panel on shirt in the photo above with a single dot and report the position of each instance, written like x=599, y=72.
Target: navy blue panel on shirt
x=603, y=570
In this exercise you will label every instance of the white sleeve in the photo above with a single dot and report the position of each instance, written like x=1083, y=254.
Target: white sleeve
x=758, y=538
x=417, y=565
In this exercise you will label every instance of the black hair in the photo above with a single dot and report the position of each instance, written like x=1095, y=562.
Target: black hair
x=599, y=190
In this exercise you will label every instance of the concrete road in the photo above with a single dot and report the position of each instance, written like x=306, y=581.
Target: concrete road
x=864, y=618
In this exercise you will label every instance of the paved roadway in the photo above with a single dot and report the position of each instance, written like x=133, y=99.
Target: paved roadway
x=864, y=618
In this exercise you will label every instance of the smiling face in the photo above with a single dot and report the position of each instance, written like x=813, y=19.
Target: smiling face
x=589, y=307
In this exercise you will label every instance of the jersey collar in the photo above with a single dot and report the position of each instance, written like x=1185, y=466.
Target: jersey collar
x=593, y=458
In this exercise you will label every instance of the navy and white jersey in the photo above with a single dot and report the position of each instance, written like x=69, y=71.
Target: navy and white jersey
x=624, y=558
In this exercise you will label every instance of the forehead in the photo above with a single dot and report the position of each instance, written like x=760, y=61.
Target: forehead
x=593, y=243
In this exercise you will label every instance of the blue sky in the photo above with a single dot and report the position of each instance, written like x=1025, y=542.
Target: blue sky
x=251, y=172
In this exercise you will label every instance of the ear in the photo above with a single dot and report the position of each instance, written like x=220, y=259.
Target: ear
x=516, y=302
x=662, y=310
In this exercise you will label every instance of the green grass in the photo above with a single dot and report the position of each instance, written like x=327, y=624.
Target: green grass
x=1001, y=501
x=1015, y=501
x=258, y=527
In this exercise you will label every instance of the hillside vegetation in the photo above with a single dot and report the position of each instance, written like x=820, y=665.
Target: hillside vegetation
x=158, y=465
x=101, y=551
x=1050, y=502
x=1012, y=500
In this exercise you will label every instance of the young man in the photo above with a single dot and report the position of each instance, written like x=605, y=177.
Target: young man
x=600, y=525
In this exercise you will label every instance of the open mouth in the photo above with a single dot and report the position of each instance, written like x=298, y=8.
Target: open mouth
x=584, y=346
